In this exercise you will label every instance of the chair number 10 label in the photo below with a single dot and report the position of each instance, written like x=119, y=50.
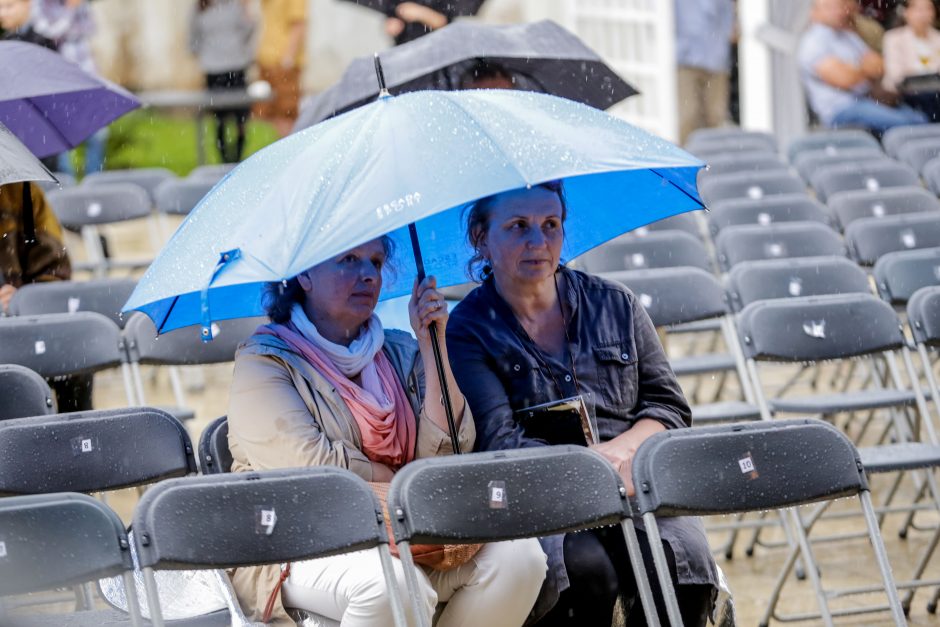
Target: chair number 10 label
x=746, y=464
x=497, y=494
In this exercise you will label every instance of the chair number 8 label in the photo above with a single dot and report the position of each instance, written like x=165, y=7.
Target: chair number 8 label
x=82, y=445
x=746, y=464
x=497, y=494
x=265, y=520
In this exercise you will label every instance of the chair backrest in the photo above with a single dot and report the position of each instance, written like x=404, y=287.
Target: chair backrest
x=183, y=347
x=214, y=454
x=685, y=222
x=753, y=185
x=853, y=205
x=213, y=173
x=481, y=497
x=923, y=313
x=57, y=540
x=931, y=175
x=898, y=275
x=662, y=249
x=101, y=204
x=751, y=281
x=781, y=241
x=147, y=178
x=179, y=196
x=867, y=175
x=65, y=180
x=744, y=143
x=745, y=467
x=247, y=518
x=103, y=296
x=765, y=211
x=917, y=153
x=674, y=295
x=92, y=451
x=831, y=141
x=748, y=161
x=811, y=160
x=25, y=393
x=706, y=135
x=815, y=328
x=895, y=138
x=61, y=344
x=870, y=238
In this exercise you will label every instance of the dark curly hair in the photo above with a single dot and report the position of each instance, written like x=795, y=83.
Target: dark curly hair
x=477, y=218
x=279, y=296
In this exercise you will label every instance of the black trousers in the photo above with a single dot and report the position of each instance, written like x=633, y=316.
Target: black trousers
x=229, y=80
x=599, y=571
x=73, y=393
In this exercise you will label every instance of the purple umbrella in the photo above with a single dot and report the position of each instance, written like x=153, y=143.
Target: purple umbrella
x=52, y=105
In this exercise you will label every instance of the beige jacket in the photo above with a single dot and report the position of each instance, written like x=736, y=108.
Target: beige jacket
x=901, y=58
x=284, y=414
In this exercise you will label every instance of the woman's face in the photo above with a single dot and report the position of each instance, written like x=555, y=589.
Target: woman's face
x=920, y=14
x=524, y=237
x=345, y=289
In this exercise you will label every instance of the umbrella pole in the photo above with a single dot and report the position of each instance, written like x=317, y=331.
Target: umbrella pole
x=436, y=347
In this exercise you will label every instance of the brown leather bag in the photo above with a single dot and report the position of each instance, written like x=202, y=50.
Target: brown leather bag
x=436, y=556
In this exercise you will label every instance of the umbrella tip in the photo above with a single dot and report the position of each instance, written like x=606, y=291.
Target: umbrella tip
x=380, y=76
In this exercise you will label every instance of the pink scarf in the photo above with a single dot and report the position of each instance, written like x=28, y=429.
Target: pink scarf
x=382, y=411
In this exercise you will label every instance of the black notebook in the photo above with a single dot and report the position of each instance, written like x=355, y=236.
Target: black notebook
x=559, y=422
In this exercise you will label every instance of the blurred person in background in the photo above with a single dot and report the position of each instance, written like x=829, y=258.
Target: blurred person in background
x=842, y=75
x=914, y=50
x=70, y=25
x=280, y=59
x=16, y=21
x=704, y=29
x=220, y=35
x=412, y=20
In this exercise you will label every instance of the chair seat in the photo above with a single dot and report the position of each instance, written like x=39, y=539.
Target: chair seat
x=700, y=364
x=895, y=457
x=109, y=618
x=729, y=411
x=835, y=403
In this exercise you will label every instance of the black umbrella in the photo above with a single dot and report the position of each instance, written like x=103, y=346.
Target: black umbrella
x=536, y=57
x=450, y=9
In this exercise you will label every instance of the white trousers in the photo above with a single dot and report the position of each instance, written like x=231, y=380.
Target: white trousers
x=496, y=588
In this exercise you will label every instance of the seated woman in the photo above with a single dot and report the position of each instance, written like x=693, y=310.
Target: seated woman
x=325, y=385
x=534, y=332
x=913, y=50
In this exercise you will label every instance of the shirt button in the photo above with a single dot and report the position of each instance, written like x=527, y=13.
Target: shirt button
x=568, y=377
x=623, y=356
x=517, y=368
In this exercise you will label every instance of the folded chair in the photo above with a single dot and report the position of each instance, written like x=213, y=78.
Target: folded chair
x=754, y=467
x=899, y=275
x=103, y=296
x=506, y=495
x=810, y=161
x=686, y=222
x=147, y=178
x=896, y=138
x=213, y=173
x=747, y=161
x=25, y=393
x=753, y=185
x=923, y=312
x=214, y=454
x=660, y=249
x=846, y=207
x=868, y=175
x=707, y=148
x=253, y=518
x=729, y=133
x=868, y=239
x=918, y=152
x=782, y=241
x=766, y=211
x=52, y=541
x=831, y=141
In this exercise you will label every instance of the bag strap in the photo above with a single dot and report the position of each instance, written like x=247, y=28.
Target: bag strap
x=29, y=220
x=272, y=598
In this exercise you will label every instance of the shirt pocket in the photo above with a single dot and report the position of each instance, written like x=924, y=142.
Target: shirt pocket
x=525, y=382
x=617, y=374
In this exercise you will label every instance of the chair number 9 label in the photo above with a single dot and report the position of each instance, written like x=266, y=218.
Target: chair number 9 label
x=497, y=494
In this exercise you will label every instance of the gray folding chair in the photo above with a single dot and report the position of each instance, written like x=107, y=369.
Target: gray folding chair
x=867, y=175
x=147, y=178
x=505, y=495
x=53, y=541
x=25, y=393
x=214, y=454
x=65, y=180
x=182, y=347
x=179, y=196
x=849, y=206
x=103, y=296
x=748, y=161
x=752, y=185
x=895, y=138
x=831, y=141
x=258, y=518
x=898, y=275
x=213, y=173
x=870, y=238
x=56, y=345
x=810, y=161
x=923, y=313
x=686, y=222
x=766, y=211
x=754, y=467
x=918, y=152
x=675, y=296
x=660, y=249
x=723, y=133
x=743, y=143
x=735, y=244
x=85, y=208
x=751, y=281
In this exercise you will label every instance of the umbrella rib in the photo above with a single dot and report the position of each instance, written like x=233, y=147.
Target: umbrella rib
x=688, y=195
x=64, y=139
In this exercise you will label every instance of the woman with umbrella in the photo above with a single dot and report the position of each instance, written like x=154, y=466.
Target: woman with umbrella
x=324, y=384
x=536, y=332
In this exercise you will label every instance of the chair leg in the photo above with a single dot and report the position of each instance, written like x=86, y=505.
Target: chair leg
x=411, y=582
x=662, y=571
x=398, y=610
x=153, y=598
x=811, y=569
x=130, y=593
x=881, y=555
x=639, y=573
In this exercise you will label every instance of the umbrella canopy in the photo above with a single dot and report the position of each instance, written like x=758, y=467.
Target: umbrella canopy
x=541, y=56
x=416, y=158
x=17, y=163
x=52, y=105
